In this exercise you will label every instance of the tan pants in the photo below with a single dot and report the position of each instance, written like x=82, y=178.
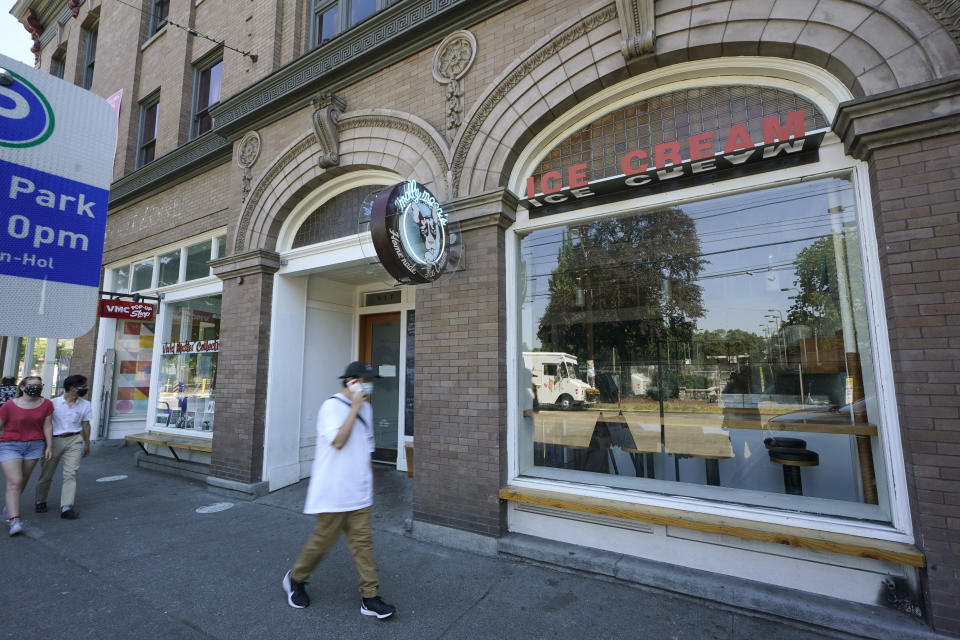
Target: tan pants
x=70, y=448
x=356, y=527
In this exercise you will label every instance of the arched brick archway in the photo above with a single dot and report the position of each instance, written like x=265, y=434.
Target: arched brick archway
x=870, y=49
x=369, y=139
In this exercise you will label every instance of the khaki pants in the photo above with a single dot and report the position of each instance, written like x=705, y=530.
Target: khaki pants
x=356, y=526
x=70, y=448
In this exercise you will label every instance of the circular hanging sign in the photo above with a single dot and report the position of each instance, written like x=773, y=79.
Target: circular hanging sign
x=409, y=231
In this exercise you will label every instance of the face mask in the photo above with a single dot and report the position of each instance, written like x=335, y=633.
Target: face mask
x=33, y=390
x=82, y=392
x=356, y=385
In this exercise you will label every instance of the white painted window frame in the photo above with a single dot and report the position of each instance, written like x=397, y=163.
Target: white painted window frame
x=827, y=93
x=198, y=289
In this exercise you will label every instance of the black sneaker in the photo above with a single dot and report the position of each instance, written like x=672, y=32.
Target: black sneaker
x=376, y=607
x=69, y=514
x=40, y=507
x=296, y=595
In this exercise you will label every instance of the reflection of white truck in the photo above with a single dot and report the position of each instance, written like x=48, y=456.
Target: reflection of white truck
x=556, y=379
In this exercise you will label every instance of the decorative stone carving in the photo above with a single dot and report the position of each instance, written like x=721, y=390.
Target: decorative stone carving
x=519, y=72
x=31, y=22
x=74, y=7
x=947, y=13
x=328, y=107
x=636, y=27
x=247, y=153
x=451, y=61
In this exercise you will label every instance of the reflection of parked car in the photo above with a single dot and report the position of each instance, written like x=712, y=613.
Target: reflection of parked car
x=823, y=415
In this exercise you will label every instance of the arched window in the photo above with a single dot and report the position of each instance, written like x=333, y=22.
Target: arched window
x=335, y=218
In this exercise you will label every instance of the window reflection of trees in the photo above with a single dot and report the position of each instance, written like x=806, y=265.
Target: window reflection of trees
x=663, y=307
x=622, y=283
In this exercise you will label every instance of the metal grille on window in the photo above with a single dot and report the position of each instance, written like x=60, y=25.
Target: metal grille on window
x=335, y=218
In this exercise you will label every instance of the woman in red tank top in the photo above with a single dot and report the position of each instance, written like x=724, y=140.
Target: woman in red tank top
x=26, y=435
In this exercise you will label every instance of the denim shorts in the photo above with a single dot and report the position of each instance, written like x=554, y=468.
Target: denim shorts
x=14, y=450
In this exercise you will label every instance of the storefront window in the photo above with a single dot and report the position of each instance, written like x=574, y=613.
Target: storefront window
x=718, y=349
x=188, y=369
x=134, y=355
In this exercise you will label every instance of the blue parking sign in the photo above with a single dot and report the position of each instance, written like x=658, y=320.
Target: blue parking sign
x=57, y=143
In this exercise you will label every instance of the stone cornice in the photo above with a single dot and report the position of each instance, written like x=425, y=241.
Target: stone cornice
x=44, y=8
x=182, y=163
x=490, y=208
x=245, y=264
x=905, y=115
x=358, y=53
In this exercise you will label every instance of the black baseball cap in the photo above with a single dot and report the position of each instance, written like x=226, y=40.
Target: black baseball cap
x=359, y=369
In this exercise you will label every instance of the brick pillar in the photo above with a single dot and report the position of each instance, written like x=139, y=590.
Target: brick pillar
x=84, y=351
x=460, y=398
x=911, y=139
x=237, y=459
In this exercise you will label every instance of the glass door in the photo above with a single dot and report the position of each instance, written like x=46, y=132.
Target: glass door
x=380, y=346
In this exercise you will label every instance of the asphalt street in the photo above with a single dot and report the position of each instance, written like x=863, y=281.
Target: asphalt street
x=155, y=555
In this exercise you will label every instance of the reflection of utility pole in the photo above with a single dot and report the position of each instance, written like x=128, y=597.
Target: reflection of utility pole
x=584, y=298
x=781, y=341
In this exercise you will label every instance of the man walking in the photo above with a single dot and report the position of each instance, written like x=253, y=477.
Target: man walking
x=341, y=491
x=71, y=442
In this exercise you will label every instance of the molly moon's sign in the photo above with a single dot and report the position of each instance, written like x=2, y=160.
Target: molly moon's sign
x=663, y=168
x=409, y=232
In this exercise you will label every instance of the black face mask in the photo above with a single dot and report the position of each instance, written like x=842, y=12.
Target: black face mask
x=33, y=390
x=82, y=392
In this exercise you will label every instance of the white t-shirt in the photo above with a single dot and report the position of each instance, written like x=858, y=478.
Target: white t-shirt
x=67, y=419
x=341, y=479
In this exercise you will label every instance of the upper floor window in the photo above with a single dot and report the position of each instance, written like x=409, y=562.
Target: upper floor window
x=149, y=116
x=158, y=14
x=330, y=17
x=206, y=94
x=89, y=57
x=57, y=66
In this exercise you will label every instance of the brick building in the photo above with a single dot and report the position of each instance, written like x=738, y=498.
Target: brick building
x=686, y=227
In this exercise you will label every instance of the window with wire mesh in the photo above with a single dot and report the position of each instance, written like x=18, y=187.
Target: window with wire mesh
x=335, y=218
x=673, y=117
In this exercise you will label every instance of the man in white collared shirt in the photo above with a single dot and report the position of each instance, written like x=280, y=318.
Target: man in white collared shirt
x=71, y=441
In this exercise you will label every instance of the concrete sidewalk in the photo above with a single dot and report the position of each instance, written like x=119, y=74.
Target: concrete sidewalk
x=143, y=562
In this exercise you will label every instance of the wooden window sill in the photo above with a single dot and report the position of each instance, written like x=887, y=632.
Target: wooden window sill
x=857, y=546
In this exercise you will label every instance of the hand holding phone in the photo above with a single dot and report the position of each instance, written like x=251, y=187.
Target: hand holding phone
x=357, y=393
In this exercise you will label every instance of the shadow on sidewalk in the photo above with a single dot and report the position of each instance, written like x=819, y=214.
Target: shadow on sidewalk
x=392, y=501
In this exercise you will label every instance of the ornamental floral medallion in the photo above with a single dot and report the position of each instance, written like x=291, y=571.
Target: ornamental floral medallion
x=247, y=153
x=451, y=62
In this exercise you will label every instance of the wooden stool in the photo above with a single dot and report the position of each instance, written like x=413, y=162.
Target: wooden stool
x=792, y=459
